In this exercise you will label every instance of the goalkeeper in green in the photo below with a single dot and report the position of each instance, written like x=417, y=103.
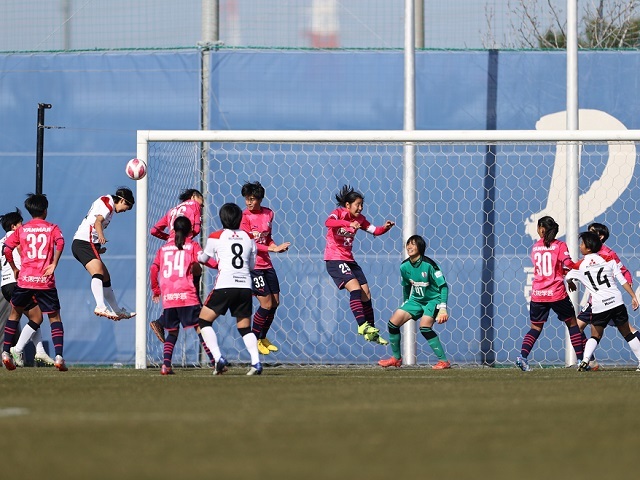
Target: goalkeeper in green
x=425, y=293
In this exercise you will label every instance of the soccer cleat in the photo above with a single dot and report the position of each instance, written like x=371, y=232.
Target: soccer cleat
x=123, y=313
x=221, y=366
x=269, y=345
x=8, y=361
x=106, y=313
x=442, y=365
x=44, y=359
x=583, y=366
x=262, y=348
x=523, y=364
x=594, y=366
x=18, y=358
x=376, y=338
x=158, y=330
x=256, y=369
x=59, y=364
x=367, y=329
x=390, y=362
x=166, y=370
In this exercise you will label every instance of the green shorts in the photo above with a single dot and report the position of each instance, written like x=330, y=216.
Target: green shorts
x=418, y=310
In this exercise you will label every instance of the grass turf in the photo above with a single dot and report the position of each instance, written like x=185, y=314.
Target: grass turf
x=319, y=423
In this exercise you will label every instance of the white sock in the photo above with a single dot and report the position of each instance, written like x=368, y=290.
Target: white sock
x=110, y=297
x=589, y=348
x=98, y=294
x=211, y=340
x=635, y=346
x=25, y=336
x=37, y=341
x=251, y=342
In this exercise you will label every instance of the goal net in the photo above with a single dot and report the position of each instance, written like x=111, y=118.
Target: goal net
x=478, y=196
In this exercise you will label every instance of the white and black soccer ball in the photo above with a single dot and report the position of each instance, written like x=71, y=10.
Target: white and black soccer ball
x=136, y=169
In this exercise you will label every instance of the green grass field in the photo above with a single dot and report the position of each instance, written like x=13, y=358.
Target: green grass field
x=320, y=423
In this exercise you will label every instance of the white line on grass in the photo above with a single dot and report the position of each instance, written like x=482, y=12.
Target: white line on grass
x=13, y=412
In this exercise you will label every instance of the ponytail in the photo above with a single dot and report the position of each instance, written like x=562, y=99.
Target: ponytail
x=550, y=229
x=182, y=230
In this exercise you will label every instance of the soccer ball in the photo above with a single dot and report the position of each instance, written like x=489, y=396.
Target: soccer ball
x=136, y=169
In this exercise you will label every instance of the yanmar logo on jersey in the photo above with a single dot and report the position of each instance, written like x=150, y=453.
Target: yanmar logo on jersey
x=545, y=249
x=37, y=229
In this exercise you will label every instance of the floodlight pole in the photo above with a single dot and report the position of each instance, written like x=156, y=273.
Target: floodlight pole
x=40, y=146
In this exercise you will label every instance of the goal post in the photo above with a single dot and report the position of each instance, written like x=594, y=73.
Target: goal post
x=478, y=223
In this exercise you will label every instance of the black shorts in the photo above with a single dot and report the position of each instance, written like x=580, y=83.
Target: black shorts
x=618, y=316
x=237, y=300
x=47, y=299
x=84, y=252
x=265, y=282
x=342, y=272
x=539, y=311
x=172, y=318
x=586, y=315
x=7, y=293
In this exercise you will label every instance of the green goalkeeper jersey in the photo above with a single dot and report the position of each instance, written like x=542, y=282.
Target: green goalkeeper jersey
x=423, y=281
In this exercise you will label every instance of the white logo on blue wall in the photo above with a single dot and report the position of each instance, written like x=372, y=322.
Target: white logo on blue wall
x=603, y=192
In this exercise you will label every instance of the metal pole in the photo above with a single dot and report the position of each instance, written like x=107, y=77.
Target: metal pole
x=419, y=24
x=573, y=155
x=210, y=32
x=66, y=19
x=409, y=164
x=40, y=146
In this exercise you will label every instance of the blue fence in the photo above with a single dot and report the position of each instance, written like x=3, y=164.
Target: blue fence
x=100, y=100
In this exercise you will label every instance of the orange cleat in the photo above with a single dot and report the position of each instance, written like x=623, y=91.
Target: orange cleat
x=442, y=365
x=390, y=362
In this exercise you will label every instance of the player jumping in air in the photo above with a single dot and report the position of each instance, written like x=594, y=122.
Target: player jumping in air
x=235, y=253
x=343, y=224
x=88, y=245
x=551, y=261
x=596, y=274
x=425, y=293
x=257, y=221
x=41, y=244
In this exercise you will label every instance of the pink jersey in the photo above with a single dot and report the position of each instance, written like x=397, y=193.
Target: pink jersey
x=258, y=226
x=606, y=252
x=550, y=265
x=37, y=239
x=172, y=274
x=190, y=209
x=340, y=235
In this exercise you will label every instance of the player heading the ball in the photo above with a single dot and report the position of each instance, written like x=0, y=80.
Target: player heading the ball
x=88, y=245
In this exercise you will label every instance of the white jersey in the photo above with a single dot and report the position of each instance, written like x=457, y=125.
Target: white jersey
x=102, y=206
x=7, y=272
x=597, y=275
x=235, y=253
